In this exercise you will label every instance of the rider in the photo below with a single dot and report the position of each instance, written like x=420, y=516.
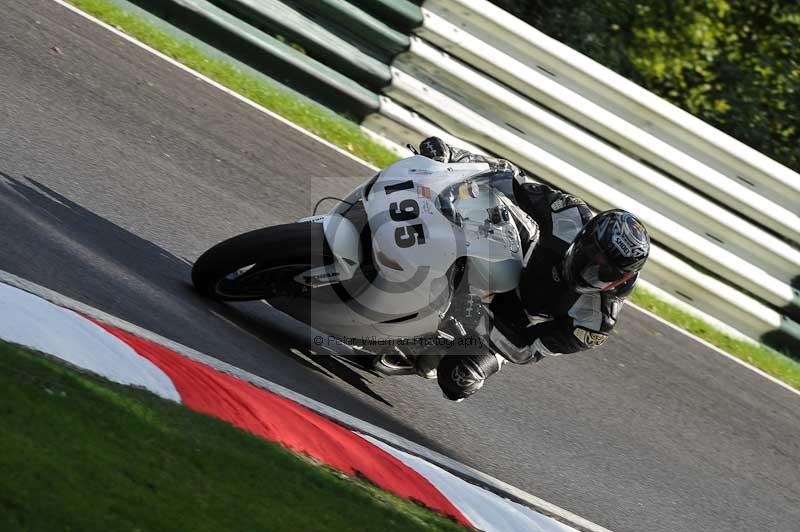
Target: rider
x=571, y=289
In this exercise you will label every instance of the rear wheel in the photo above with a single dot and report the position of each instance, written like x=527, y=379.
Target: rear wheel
x=261, y=264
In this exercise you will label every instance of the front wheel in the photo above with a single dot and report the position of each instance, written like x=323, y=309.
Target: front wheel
x=261, y=264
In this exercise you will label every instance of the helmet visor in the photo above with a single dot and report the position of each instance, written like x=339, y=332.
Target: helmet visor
x=589, y=270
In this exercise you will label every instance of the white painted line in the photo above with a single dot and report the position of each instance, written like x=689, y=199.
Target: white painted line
x=366, y=164
x=463, y=471
x=213, y=83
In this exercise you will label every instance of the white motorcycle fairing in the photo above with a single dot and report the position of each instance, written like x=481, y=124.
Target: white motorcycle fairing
x=423, y=216
x=347, y=254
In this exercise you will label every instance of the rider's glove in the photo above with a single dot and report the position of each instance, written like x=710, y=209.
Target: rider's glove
x=502, y=165
x=436, y=149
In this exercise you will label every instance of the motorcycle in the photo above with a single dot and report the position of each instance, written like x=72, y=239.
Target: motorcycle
x=400, y=265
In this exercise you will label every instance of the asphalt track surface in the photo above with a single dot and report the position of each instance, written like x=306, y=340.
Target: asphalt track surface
x=118, y=170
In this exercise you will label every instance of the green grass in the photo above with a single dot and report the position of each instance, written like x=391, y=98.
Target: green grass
x=80, y=453
x=338, y=130
x=307, y=114
x=776, y=364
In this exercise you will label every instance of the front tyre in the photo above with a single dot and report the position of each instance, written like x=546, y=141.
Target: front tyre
x=261, y=264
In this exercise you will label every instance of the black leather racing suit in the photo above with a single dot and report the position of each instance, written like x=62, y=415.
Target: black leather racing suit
x=543, y=316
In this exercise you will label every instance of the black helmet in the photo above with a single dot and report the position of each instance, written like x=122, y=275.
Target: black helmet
x=608, y=251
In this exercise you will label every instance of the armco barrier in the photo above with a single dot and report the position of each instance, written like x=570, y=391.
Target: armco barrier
x=638, y=106
x=536, y=85
x=266, y=53
x=400, y=14
x=666, y=271
x=463, y=121
x=583, y=150
x=394, y=121
x=319, y=43
x=547, y=113
x=371, y=34
x=739, y=308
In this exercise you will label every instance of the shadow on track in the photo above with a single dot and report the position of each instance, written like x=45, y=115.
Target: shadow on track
x=53, y=241
x=295, y=340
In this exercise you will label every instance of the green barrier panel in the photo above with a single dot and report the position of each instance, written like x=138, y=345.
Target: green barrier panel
x=265, y=53
x=356, y=26
x=402, y=15
x=319, y=43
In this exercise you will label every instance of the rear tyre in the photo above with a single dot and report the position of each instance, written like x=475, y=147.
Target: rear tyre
x=262, y=263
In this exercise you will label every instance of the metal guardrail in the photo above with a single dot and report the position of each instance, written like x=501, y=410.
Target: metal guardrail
x=623, y=98
x=570, y=143
x=463, y=121
x=556, y=114
x=318, y=42
x=533, y=83
x=357, y=26
x=460, y=119
x=266, y=53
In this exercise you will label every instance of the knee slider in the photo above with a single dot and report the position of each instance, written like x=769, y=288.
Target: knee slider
x=461, y=376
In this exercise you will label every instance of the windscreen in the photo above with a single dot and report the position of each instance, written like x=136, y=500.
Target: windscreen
x=474, y=200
